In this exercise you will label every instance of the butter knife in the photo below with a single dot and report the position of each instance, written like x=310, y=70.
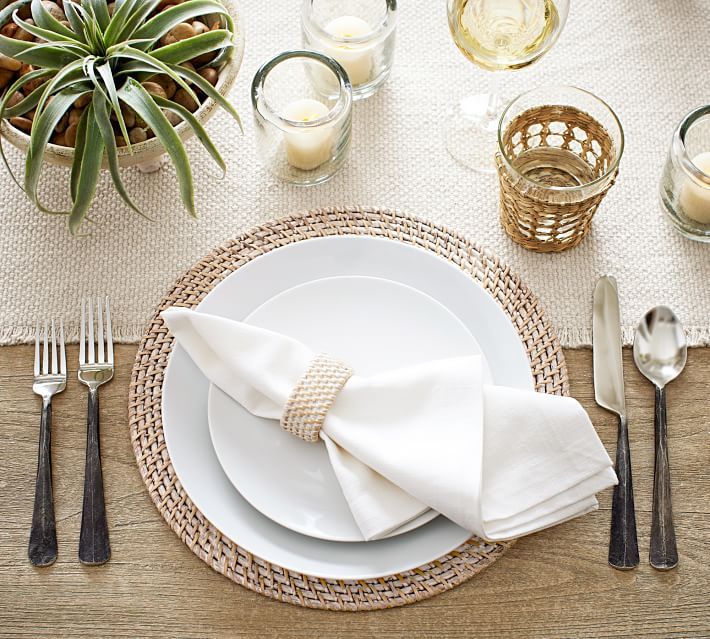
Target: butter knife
x=609, y=393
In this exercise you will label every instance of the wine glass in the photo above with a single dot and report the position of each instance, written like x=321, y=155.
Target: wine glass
x=497, y=35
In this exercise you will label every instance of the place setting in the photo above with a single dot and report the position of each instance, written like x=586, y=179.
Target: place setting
x=321, y=400
x=406, y=320
x=344, y=405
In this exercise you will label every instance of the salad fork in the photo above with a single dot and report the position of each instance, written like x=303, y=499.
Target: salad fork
x=95, y=369
x=47, y=383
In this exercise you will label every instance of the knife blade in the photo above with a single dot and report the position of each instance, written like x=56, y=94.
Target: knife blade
x=609, y=393
x=606, y=332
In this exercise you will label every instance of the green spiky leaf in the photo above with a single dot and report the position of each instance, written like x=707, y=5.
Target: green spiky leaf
x=197, y=128
x=135, y=96
x=42, y=129
x=4, y=110
x=48, y=55
x=121, y=15
x=101, y=111
x=68, y=76
x=100, y=11
x=138, y=17
x=17, y=86
x=208, y=89
x=47, y=21
x=47, y=34
x=78, y=154
x=71, y=10
x=159, y=25
x=130, y=53
x=105, y=73
x=185, y=50
x=6, y=12
x=89, y=172
x=28, y=103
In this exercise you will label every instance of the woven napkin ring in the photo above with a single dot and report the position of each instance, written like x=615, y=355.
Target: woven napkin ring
x=313, y=395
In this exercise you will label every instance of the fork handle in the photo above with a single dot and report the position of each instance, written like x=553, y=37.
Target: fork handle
x=94, y=548
x=43, y=534
x=623, y=545
x=663, y=550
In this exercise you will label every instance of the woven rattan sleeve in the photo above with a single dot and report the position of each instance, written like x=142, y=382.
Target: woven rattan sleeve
x=312, y=397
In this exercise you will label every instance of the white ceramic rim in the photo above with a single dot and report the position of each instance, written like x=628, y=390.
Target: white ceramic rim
x=259, y=535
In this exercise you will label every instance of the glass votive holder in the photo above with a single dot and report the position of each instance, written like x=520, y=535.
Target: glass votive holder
x=303, y=136
x=559, y=149
x=685, y=186
x=359, y=34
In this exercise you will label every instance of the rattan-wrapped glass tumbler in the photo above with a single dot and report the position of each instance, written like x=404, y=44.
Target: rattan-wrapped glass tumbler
x=559, y=152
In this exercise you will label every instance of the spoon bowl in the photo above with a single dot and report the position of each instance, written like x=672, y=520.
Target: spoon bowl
x=660, y=352
x=660, y=348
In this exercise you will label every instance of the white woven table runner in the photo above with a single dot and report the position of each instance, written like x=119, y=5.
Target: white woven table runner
x=648, y=60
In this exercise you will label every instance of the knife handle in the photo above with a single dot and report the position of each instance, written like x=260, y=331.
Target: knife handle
x=623, y=546
x=664, y=552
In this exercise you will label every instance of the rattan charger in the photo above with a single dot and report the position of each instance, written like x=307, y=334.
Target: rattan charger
x=225, y=555
x=543, y=219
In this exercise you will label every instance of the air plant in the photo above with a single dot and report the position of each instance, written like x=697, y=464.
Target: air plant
x=122, y=63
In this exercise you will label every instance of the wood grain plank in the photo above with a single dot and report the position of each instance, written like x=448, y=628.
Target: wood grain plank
x=552, y=584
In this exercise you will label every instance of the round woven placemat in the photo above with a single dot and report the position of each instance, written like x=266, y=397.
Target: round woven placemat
x=225, y=555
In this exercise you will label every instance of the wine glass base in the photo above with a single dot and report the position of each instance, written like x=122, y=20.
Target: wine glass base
x=472, y=131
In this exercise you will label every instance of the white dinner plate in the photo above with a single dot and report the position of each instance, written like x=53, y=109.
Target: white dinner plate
x=185, y=392
x=374, y=325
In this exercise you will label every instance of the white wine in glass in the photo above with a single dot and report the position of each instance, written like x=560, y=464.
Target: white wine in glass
x=496, y=35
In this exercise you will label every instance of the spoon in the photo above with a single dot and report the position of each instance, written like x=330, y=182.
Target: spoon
x=660, y=352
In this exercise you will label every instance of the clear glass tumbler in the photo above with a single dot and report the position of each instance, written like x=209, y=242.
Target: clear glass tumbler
x=303, y=135
x=359, y=34
x=685, y=186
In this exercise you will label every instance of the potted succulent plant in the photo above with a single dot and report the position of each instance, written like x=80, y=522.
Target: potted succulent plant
x=94, y=84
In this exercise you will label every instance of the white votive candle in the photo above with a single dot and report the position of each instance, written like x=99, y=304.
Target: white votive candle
x=356, y=61
x=310, y=147
x=695, y=198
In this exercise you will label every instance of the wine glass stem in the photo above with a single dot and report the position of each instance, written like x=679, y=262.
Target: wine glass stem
x=493, y=107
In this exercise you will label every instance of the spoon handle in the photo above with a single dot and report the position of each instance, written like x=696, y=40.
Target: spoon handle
x=663, y=554
x=623, y=545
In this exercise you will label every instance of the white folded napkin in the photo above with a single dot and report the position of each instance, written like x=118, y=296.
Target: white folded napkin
x=498, y=461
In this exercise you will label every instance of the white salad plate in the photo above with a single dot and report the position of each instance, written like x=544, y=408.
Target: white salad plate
x=374, y=325
x=186, y=390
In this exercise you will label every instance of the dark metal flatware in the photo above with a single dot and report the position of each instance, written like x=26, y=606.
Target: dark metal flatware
x=609, y=393
x=660, y=353
x=48, y=381
x=95, y=369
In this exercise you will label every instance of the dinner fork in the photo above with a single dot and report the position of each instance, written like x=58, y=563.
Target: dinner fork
x=95, y=369
x=47, y=383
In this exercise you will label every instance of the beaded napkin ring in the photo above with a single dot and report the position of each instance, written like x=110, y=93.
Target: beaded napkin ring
x=313, y=395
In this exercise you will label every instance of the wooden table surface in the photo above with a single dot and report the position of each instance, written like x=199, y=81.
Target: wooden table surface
x=552, y=584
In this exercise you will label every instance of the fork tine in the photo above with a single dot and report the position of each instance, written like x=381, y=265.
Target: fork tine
x=82, y=334
x=62, y=353
x=92, y=356
x=37, y=350
x=100, y=328
x=109, y=334
x=45, y=352
x=55, y=367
